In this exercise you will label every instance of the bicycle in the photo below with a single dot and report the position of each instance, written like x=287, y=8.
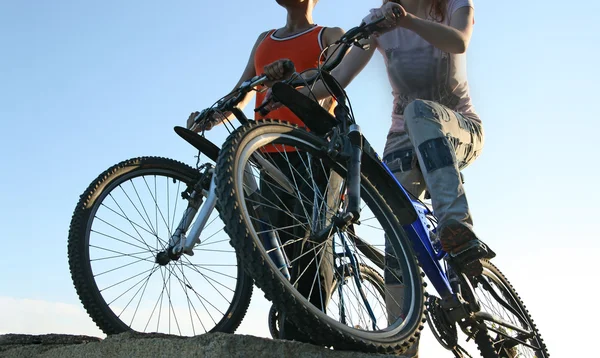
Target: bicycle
x=152, y=236
x=122, y=222
x=335, y=146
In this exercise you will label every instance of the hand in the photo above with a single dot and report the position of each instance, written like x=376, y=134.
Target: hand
x=208, y=123
x=191, y=125
x=273, y=104
x=278, y=71
x=395, y=15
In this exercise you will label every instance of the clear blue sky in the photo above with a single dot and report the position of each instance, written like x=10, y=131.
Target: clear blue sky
x=84, y=85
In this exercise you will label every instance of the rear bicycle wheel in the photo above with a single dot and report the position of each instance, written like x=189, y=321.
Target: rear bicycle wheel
x=244, y=175
x=123, y=220
x=497, y=297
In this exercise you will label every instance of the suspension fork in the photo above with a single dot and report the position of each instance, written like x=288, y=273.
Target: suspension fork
x=179, y=243
x=205, y=211
x=355, y=141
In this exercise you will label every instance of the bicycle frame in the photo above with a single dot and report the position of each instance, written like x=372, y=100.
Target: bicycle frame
x=178, y=243
x=419, y=237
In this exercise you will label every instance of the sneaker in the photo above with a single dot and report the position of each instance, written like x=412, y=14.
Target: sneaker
x=464, y=248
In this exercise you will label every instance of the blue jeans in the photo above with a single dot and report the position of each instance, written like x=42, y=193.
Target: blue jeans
x=437, y=143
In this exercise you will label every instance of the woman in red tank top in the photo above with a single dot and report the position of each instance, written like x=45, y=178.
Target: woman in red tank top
x=301, y=41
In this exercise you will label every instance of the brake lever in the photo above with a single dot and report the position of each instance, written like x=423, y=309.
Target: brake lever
x=201, y=115
x=262, y=109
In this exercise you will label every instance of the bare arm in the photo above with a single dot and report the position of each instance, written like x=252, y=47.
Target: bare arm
x=330, y=36
x=453, y=39
x=347, y=70
x=248, y=73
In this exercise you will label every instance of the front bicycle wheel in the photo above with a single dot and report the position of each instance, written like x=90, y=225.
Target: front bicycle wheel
x=119, y=228
x=497, y=297
x=279, y=196
x=343, y=290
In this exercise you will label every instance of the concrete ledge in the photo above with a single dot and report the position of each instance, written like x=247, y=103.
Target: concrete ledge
x=132, y=344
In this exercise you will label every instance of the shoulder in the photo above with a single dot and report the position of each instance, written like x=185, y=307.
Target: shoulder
x=263, y=35
x=260, y=39
x=331, y=35
x=454, y=5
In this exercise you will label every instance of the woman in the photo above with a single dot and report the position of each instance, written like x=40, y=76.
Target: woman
x=435, y=130
x=302, y=41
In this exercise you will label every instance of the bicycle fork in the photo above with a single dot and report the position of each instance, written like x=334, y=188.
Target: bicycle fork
x=354, y=162
x=179, y=243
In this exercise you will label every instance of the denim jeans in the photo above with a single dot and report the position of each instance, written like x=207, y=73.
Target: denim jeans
x=437, y=143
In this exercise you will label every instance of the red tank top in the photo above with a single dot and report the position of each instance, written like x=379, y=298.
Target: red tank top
x=303, y=49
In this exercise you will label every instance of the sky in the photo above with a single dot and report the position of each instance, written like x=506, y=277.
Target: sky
x=84, y=85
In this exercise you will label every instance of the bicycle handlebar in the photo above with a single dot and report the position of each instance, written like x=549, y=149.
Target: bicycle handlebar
x=350, y=38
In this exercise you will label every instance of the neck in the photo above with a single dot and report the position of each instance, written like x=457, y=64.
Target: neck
x=298, y=19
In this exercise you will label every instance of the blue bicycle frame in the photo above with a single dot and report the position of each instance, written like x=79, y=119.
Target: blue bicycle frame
x=418, y=235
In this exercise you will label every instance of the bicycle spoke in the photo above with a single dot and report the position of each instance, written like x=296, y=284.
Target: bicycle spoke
x=120, y=267
x=145, y=285
x=154, y=308
x=151, y=270
x=157, y=208
x=201, y=299
x=117, y=252
x=176, y=202
x=208, y=279
x=123, y=241
x=213, y=271
x=117, y=256
x=204, y=243
x=131, y=223
x=127, y=279
x=149, y=222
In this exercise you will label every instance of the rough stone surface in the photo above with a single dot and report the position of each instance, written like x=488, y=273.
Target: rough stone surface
x=159, y=345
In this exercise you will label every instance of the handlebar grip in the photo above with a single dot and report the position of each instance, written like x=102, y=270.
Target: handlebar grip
x=262, y=109
x=288, y=66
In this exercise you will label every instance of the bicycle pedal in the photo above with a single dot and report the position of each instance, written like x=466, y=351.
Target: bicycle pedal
x=471, y=251
x=467, y=260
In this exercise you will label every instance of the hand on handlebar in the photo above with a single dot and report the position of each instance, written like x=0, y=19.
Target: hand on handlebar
x=279, y=70
x=269, y=103
x=394, y=15
x=207, y=123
